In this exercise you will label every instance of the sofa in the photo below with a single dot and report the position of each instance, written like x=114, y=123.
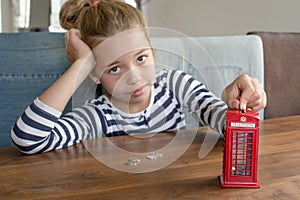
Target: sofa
x=30, y=62
x=281, y=72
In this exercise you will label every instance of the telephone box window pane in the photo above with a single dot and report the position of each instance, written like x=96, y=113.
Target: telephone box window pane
x=241, y=154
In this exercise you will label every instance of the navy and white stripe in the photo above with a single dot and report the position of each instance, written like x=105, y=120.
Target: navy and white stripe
x=41, y=128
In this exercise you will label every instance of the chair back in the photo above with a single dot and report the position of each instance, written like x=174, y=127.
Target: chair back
x=29, y=63
x=281, y=72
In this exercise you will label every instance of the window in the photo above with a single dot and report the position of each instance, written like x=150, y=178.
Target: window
x=54, y=18
x=23, y=13
x=17, y=15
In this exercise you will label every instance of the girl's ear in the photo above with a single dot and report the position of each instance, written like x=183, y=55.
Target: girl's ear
x=95, y=79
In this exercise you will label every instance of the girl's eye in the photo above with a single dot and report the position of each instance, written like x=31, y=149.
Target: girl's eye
x=114, y=70
x=141, y=59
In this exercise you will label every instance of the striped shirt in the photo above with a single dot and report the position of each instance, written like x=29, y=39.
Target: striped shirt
x=42, y=128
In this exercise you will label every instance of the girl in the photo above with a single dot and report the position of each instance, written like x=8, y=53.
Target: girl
x=107, y=41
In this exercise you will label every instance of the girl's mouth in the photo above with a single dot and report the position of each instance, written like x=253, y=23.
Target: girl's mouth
x=139, y=91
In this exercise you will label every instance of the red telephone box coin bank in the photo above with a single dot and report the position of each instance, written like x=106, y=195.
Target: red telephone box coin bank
x=241, y=149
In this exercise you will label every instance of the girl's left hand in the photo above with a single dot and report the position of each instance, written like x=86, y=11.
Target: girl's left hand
x=245, y=92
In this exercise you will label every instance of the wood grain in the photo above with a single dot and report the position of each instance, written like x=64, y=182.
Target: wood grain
x=72, y=173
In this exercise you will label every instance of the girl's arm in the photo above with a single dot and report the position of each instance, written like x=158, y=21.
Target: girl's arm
x=41, y=128
x=244, y=92
x=59, y=93
x=209, y=109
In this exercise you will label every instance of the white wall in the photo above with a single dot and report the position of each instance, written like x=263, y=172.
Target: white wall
x=208, y=17
x=223, y=17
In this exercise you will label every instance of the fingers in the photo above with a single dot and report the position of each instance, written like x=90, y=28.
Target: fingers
x=251, y=93
x=248, y=88
x=75, y=47
x=258, y=101
x=70, y=55
x=234, y=104
x=245, y=92
x=237, y=94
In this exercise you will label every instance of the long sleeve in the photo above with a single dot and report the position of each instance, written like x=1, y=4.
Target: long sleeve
x=40, y=128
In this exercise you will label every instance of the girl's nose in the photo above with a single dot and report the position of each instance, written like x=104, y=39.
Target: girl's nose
x=133, y=76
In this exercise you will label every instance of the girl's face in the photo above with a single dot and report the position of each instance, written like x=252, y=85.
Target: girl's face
x=128, y=80
x=125, y=65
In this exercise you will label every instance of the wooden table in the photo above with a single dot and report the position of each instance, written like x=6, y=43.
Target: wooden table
x=72, y=173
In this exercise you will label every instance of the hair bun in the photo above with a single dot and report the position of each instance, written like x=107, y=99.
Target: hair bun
x=70, y=12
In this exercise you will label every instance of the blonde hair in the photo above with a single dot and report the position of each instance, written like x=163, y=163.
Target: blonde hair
x=99, y=20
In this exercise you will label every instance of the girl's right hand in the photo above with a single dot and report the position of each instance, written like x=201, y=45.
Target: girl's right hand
x=75, y=47
x=83, y=62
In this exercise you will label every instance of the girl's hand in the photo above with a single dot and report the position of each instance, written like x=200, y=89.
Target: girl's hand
x=83, y=62
x=245, y=92
x=76, y=48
